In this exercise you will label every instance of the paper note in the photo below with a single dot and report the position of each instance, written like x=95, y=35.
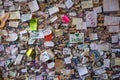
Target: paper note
x=15, y=15
x=106, y=62
x=91, y=19
x=66, y=51
x=37, y=35
x=76, y=38
x=33, y=5
x=82, y=46
x=18, y=59
x=82, y=70
x=117, y=61
x=14, y=7
x=87, y=4
x=44, y=56
x=69, y=3
x=100, y=71
x=12, y=37
x=67, y=60
x=1, y=2
x=2, y=12
x=20, y=0
x=115, y=38
x=93, y=46
x=53, y=19
x=31, y=41
x=81, y=26
x=72, y=14
x=33, y=24
x=13, y=24
x=109, y=20
x=39, y=77
x=104, y=47
x=53, y=10
x=13, y=74
x=107, y=5
x=51, y=65
x=58, y=32
x=76, y=21
x=29, y=52
x=26, y=17
x=93, y=36
x=8, y=3
x=49, y=43
x=113, y=28
x=97, y=9
x=2, y=63
x=1, y=47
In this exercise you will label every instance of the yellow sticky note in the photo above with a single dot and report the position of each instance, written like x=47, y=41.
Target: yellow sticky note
x=29, y=52
x=33, y=24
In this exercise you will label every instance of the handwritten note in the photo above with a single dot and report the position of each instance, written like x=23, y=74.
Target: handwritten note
x=13, y=24
x=82, y=70
x=113, y=28
x=33, y=5
x=15, y=15
x=87, y=4
x=67, y=60
x=107, y=5
x=18, y=59
x=115, y=38
x=81, y=26
x=76, y=21
x=51, y=65
x=66, y=51
x=91, y=19
x=44, y=56
x=53, y=10
x=26, y=17
x=69, y=3
x=76, y=38
x=93, y=36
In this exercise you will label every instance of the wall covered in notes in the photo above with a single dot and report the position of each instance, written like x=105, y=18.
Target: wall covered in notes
x=59, y=39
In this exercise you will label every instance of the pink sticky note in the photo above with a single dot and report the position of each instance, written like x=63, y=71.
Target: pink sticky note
x=66, y=19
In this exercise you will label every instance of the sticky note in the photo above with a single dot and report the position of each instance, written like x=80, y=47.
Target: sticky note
x=66, y=19
x=29, y=52
x=33, y=24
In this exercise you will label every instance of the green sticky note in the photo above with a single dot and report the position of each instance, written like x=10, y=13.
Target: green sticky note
x=33, y=24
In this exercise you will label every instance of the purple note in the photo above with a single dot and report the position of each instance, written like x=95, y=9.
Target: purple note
x=1, y=47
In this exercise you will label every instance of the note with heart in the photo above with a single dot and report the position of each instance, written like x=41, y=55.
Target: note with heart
x=76, y=38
